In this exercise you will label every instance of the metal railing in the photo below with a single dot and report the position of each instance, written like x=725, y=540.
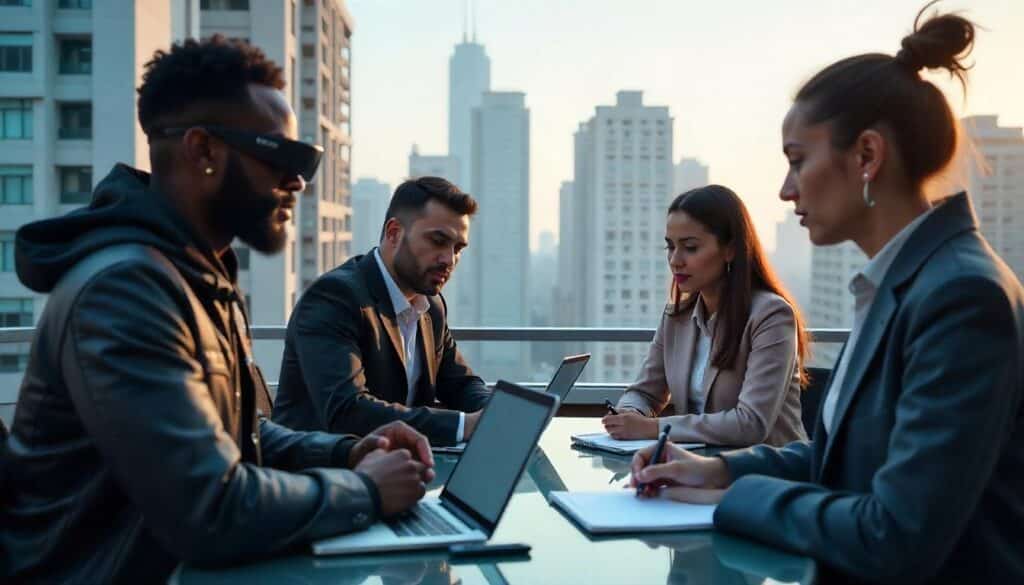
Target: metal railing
x=592, y=334
x=589, y=393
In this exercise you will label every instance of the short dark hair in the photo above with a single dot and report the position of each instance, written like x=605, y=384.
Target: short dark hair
x=413, y=195
x=213, y=73
x=858, y=92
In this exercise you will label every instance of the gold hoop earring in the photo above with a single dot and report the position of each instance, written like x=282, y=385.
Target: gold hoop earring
x=867, y=192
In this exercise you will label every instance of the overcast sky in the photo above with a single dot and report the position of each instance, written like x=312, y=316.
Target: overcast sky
x=727, y=70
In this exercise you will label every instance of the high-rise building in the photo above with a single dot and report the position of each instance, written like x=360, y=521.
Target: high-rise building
x=490, y=282
x=623, y=178
x=998, y=194
x=370, y=199
x=469, y=77
x=434, y=165
x=690, y=173
x=792, y=259
x=311, y=41
x=68, y=73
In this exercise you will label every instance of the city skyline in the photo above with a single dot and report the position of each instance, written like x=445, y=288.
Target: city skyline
x=719, y=120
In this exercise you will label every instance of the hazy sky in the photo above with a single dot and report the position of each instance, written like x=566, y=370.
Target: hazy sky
x=727, y=70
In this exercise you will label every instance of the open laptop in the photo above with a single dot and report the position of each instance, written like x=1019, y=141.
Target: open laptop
x=479, y=488
x=566, y=375
x=561, y=383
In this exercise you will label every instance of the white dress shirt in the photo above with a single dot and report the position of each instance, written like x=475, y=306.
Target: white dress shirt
x=701, y=356
x=863, y=286
x=408, y=317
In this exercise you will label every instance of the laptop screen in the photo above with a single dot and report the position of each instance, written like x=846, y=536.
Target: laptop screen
x=567, y=375
x=497, y=452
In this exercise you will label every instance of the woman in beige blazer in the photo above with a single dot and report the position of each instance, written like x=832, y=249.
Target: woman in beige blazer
x=730, y=349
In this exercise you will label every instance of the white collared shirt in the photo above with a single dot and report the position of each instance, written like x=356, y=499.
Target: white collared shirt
x=408, y=317
x=863, y=286
x=701, y=356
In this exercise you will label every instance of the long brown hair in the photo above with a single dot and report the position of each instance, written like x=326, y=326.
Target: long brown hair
x=723, y=214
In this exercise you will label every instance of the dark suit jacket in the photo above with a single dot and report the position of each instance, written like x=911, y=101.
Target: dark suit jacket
x=344, y=365
x=922, y=477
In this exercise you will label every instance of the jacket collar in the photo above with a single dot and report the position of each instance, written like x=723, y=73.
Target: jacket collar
x=951, y=217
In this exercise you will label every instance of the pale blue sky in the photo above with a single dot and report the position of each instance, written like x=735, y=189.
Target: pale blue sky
x=727, y=70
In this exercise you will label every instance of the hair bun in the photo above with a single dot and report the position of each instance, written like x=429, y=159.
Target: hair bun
x=940, y=42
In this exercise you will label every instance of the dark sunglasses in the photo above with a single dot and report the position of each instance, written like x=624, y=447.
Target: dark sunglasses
x=290, y=156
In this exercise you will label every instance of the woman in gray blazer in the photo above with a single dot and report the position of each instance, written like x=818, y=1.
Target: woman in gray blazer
x=916, y=470
x=730, y=348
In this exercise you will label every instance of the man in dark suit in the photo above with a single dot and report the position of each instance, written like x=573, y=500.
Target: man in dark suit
x=368, y=342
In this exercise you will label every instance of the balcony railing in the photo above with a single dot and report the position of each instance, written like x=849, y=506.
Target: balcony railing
x=592, y=334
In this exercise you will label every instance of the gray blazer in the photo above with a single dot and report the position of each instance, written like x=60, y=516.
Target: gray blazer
x=756, y=401
x=922, y=478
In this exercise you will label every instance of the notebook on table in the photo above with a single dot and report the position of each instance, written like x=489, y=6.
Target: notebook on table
x=604, y=442
x=621, y=511
x=479, y=488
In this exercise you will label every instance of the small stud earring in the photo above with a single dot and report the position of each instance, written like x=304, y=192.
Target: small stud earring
x=208, y=170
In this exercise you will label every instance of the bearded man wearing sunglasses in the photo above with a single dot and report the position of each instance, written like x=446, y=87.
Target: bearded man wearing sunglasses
x=140, y=439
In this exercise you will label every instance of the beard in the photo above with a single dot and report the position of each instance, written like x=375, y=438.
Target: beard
x=411, y=275
x=242, y=210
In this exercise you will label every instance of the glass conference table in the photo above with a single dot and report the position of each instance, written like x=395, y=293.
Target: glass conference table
x=561, y=552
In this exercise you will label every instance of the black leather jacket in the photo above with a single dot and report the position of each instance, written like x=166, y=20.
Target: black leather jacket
x=137, y=440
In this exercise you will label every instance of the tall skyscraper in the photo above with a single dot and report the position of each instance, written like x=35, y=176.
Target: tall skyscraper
x=623, y=178
x=68, y=74
x=469, y=77
x=490, y=282
x=690, y=173
x=434, y=165
x=311, y=41
x=370, y=199
x=998, y=195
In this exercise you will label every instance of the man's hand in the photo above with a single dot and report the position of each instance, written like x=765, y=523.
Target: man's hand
x=399, y=478
x=472, y=418
x=682, y=476
x=394, y=435
x=630, y=425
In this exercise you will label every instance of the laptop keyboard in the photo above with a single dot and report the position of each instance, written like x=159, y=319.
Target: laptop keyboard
x=422, y=521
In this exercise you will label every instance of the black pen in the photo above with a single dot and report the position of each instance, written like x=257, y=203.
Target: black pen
x=657, y=455
x=611, y=407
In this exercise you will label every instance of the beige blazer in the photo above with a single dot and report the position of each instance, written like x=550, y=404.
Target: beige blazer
x=757, y=401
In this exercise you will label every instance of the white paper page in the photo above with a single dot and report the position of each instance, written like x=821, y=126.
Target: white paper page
x=622, y=511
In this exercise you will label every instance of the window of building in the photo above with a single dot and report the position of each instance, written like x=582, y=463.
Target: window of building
x=224, y=4
x=75, y=184
x=15, y=2
x=6, y=251
x=75, y=56
x=13, y=362
x=16, y=53
x=75, y=4
x=16, y=312
x=75, y=121
x=15, y=184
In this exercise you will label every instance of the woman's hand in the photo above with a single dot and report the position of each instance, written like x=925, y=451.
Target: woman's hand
x=630, y=425
x=681, y=475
